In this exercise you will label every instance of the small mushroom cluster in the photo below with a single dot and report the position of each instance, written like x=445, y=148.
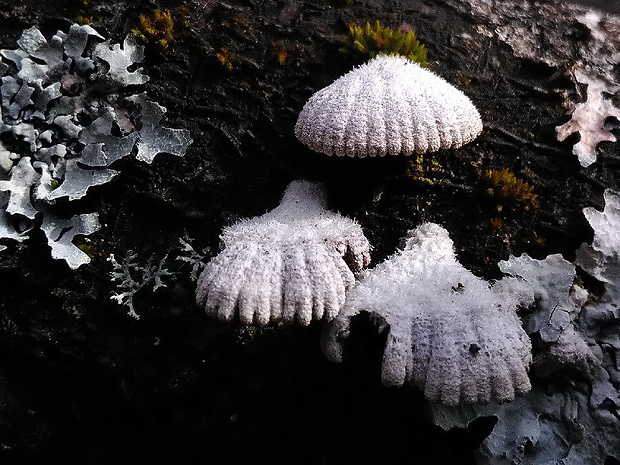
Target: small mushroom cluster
x=288, y=264
x=449, y=333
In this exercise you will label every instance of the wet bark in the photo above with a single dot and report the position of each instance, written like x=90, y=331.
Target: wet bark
x=80, y=380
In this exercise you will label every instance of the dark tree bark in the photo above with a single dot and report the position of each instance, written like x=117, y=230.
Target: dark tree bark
x=82, y=381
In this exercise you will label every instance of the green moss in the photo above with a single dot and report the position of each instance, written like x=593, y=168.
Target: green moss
x=373, y=39
x=425, y=169
x=156, y=29
x=509, y=191
x=80, y=19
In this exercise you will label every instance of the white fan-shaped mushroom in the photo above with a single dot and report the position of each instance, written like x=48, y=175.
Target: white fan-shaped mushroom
x=287, y=265
x=388, y=106
x=450, y=334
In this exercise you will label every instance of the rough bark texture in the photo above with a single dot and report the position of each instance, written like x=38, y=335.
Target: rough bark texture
x=81, y=381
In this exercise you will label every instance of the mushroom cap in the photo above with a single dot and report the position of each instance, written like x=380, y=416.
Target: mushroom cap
x=292, y=264
x=389, y=105
x=450, y=333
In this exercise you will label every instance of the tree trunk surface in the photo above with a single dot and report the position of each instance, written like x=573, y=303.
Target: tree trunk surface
x=80, y=380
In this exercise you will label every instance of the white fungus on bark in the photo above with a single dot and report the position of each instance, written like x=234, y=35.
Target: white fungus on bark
x=292, y=264
x=388, y=106
x=450, y=333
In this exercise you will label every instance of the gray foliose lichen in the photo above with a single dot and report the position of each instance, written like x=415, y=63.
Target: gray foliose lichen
x=70, y=108
x=571, y=416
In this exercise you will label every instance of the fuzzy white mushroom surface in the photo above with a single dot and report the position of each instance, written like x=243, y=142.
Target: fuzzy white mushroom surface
x=388, y=106
x=292, y=264
x=450, y=334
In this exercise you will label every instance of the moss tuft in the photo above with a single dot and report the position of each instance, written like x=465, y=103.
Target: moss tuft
x=156, y=29
x=425, y=169
x=373, y=39
x=80, y=19
x=509, y=191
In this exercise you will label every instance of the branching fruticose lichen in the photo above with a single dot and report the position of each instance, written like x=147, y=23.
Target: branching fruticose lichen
x=189, y=255
x=67, y=113
x=131, y=277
